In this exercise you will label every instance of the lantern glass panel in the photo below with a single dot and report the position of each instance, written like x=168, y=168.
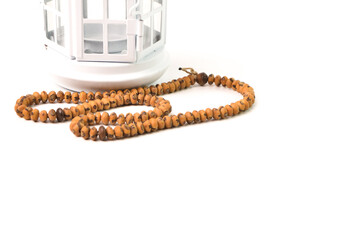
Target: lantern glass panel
x=93, y=38
x=147, y=35
x=60, y=31
x=117, y=9
x=49, y=3
x=157, y=27
x=49, y=25
x=147, y=6
x=93, y=9
x=157, y=4
x=117, y=39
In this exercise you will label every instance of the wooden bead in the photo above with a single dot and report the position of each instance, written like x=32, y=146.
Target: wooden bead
x=99, y=103
x=168, y=122
x=98, y=95
x=229, y=83
x=60, y=115
x=153, y=124
x=74, y=111
x=67, y=114
x=146, y=91
x=182, y=119
x=144, y=116
x=93, y=106
x=126, y=91
x=159, y=89
x=129, y=118
x=52, y=97
x=52, y=115
x=140, y=128
x=202, y=79
x=82, y=97
x=75, y=97
x=175, y=121
x=113, y=118
x=153, y=90
x=133, y=130
x=106, y=94
x=119, y=99
x=93, y=134
x=37, y=97
x=177, y=85
x=121, y=119
x=91, y=119
x=152, y=101
x=19, y=110
x=126, y=130
x=98, y=117
x=235, y=108
x=229, y=110
x=224, y=81
x=76, y=130
x=235, y=85
x=102, y=133
x=165, y=87
x=246, y=104
x=141, y=91
x=67, y=97
x=182, y=83
x=158, y=112
x=34, y=115
x=110, y=133
x=87, y=108
x=137, y=117
x=44, y=97
x=197, y=117
x=171, y=87
x=189, y=117
x=147, y=126
x=27, y=112
x=106, y=103
x=209, y=113
x=187, y=80
x=161, y=123
x=90, y=96
x=217, y=80
x=85, y=132
x=113, y=102
x=216, y=114
x=211, y=79
x=43, y=116
x=118, y=132
x=203, y=116
x=127, y=100
x=81, y=109
x=224, y=113
x=140, y=99
x=105, y=118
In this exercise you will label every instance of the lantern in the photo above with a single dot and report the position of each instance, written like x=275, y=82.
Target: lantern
x=105, y=44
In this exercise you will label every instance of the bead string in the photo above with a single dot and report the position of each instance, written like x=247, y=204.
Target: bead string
x=86, y=114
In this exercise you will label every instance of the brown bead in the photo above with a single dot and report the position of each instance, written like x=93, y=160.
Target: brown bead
x=60, y=115
x=87, y=107
x=126, y=130
x=110, y=133
x=211, y=79
x=98, y=117
x=81, y=109
x=60, y=96
x=187, y=80
x=216, y=114
x=160, y=89
x=182, y=119
x=177, y=85
x=224, y=113
x=182, y=83
x=99, y=103
x=141, y=91
x=106, y=103
x=106, y=94
x=67, y=114
x=90, y=96
x=93, y=106
x=26, y=113
x=52, y=115
x=44, y=97
x=202, y=79
x=76, y=130
x=203, y=116
x=175, y=121
x=118, y=132
x=197, y=117
x=129, y=118
x=121, y=119
x=246, y=104
x=153, y=90
x=146, y=91
x=113, y=118
x=67, y=97
x=192, y=78
x=235, y=85
x=161, y=123
x=229, y=110
x=91, y=119
x=189, y=117
x=144, y=116
x=126, y=91
x=98, y=95
x=19, y=110
x=74, y=111
x=137, y=117
x=85, y=132
x=168, y=122
x=235, y=108
x=82, y=97
x=113, y=102
x=229, y=82
x=119, y=99
x=34, y=115
x=112, y=92
x=37, y=97
x=73, y=122
x=52, y=97
x=133, y=130
x=147, y=99
x=75, y=97
x=147, y=126
x=43, y=116
x=140, y=99
x=93, y=134
x=105, y=118
x=102, y=133
x=127, y=100
x=140, y=128
x=209, y=113
x=165, y=87
x=171, y=87
x=217, y=80
x=151, y=114
x=153, y=124
x=224, y=81
x=152, y=101
x=158, y=112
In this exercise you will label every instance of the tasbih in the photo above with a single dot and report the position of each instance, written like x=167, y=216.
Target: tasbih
x=86, y=114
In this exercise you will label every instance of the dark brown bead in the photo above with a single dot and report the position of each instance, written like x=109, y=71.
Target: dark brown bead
x=60, y=115
x=102, y=133
x=202, y=79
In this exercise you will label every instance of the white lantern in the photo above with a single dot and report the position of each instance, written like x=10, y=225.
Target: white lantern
x=105, y=44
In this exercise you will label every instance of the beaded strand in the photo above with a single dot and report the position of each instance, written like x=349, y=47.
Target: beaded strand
x=86, y=114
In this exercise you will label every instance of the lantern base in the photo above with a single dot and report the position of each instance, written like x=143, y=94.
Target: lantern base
x=105, y=76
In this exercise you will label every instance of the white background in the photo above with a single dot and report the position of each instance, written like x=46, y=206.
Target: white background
x=287, y=169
